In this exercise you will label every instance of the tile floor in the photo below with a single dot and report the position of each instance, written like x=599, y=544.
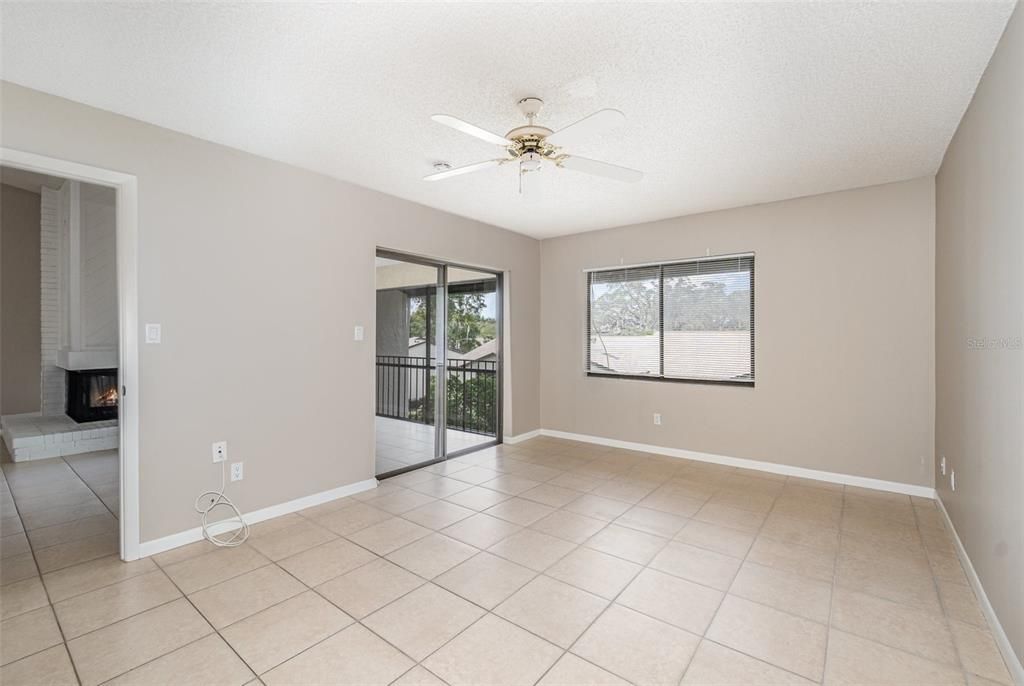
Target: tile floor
x=547, y=562
x=100, y=472
x=402, y=443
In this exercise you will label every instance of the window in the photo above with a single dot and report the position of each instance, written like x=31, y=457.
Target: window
x=691, y=320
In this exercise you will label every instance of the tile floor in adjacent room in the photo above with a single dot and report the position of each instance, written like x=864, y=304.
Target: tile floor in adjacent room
x=545, y=562
x=401, y=443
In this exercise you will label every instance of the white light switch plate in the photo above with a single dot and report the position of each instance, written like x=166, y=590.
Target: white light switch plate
x=357, y=334
x=152, y=333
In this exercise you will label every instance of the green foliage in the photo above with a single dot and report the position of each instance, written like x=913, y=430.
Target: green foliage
x=472, y=402
x=472, y=395
x=418, y=317
x=627, y=308
x=467, y=327
x=691, y=304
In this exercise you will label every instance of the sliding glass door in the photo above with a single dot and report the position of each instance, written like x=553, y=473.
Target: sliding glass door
x=438, y=361
x=472, y=353
x=408, y=328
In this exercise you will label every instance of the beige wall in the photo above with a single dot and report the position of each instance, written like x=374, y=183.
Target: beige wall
x=258, y=272
x=979, y=293
x=844, y=342
x=19, y=300
x=409, y=274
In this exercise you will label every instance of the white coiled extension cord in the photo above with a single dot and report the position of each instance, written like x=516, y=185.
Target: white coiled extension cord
x=209, y=501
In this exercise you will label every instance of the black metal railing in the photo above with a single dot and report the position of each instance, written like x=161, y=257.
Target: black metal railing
x=406, y=389
x=473, y=396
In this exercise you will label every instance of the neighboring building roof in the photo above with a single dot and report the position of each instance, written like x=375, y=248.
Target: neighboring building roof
x=488, y=350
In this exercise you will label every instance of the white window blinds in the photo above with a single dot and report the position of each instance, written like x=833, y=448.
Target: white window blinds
x=690, y=320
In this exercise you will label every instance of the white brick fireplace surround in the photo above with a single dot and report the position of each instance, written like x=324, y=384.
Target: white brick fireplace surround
x=52, y=377
x=33, y=437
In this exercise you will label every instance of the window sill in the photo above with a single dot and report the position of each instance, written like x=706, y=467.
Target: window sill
x=668, y=379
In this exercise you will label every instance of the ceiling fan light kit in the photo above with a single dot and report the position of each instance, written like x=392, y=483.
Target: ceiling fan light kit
x=533, y=146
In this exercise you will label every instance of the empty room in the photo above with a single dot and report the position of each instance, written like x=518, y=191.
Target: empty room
x=512, y=343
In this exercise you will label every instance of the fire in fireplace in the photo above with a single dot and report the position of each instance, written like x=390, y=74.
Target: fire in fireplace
x=92, y=394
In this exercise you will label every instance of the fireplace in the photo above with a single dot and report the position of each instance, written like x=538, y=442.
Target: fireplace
x=92, y=394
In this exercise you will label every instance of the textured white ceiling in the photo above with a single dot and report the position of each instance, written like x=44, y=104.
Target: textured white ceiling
x=728, y=104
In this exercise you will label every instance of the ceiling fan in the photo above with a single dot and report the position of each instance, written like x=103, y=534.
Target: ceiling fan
x=533, y=147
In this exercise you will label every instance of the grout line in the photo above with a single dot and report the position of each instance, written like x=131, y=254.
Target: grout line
x=77, y=562
x=834, y=586
x=486, y=611
x=942, y=604
x=98, y=588
x=60, y=507
x=65, y=524
x=613, y=600
x=355, y=620
x=89, y=486
x=151, y=660
x=201, y=615
x=265, y=563
x=719, y=485
x=125, y=618
x=39, y=575
x=610, y=602
x=761, y=660
x=942, y=614
x=725, y=594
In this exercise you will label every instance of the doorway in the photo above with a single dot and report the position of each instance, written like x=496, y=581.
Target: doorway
x=88, y=228
x=438, y=361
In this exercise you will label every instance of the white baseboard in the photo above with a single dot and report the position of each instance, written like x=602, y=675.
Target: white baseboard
x=772, y=467
x=519, y=438
x=181, y=538
x=1013, y=663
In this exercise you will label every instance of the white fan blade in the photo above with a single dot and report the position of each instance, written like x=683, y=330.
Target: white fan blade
x=588, y=127
x=610, y=171
x=462, y=170
x=471, y=129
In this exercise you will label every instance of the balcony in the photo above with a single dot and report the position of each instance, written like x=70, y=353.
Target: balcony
x=405, y=407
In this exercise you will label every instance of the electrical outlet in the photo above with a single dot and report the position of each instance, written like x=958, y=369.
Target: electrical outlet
x=952, y=480
x=657, y=419
x=236, y=471
x=942, y=465
x=220, y=451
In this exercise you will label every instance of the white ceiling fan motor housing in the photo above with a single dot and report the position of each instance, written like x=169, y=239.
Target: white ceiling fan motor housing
x=530, y=107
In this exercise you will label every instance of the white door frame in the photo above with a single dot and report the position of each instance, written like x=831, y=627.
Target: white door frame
x=126, y=187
